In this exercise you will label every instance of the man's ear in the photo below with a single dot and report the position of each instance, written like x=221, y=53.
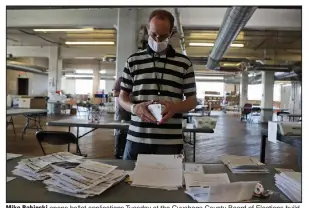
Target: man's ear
x=173, y=32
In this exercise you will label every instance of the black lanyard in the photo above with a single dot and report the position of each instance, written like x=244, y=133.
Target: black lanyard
x=158, y=81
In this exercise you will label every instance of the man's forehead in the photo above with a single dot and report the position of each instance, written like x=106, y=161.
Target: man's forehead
x=159, y=26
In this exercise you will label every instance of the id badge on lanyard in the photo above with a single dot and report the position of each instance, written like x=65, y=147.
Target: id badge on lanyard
x=158, y=81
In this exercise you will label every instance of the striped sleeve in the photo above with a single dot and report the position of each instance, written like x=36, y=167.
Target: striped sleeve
x=126, y=83
x=189, y=86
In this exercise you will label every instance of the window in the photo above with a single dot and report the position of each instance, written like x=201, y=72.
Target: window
x=201, y=87
x=255, y=92
x=102, y=85
x=83, y=86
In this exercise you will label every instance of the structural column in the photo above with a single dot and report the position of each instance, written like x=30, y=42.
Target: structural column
x=244, y=88
x=267, y=96
x=53, y=69
x=96, y=78
x=126, y=37
x=59, y=74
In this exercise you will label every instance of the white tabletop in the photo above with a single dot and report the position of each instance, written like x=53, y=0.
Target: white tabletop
x=20, y=111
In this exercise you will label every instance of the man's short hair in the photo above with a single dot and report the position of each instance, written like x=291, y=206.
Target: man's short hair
x=163, y=14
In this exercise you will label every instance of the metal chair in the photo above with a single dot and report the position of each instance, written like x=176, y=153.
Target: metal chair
x=10, y=122
x=58, y=138
x=247, y=109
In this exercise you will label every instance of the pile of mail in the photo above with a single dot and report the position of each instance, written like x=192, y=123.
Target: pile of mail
x=290, y=184
x=88, y=179
x=204, y=122
x=70, y=174
x=38, y=168
x=158, y=171
x=244, y=164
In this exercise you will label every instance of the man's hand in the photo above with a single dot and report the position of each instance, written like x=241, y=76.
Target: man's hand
x=170, y=108
x=141, y=110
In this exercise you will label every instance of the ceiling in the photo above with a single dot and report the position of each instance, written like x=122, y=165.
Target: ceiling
x=271, y=34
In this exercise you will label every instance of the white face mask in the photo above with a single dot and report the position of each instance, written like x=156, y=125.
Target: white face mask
x=157, y=46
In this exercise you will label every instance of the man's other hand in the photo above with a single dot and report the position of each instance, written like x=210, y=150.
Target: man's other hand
x=170, y=108
x=141, y=110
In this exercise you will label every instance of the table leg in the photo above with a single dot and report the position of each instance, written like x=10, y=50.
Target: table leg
x=77, y=136
x=263, y=148
x=26, y=127
x=194, y=142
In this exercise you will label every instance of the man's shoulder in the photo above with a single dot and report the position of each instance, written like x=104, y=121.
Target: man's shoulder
x=183, y=58
x=138, y=55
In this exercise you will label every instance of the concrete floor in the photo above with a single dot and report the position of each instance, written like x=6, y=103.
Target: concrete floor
x=231, y=137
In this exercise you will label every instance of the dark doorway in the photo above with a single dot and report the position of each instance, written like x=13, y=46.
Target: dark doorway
x=23, y=86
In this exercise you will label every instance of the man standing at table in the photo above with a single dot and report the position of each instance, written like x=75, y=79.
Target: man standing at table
x=160, y=74
x=120, y=114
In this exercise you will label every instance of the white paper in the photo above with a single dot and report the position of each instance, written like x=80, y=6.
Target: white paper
x=290, y=184
x=281, y=170
x=158, y=171
x=199, y=194
x=194, y=168
x=205, y=180
x=272, y=131
x=156, y=110
x=243, y=164
x=8, y=179
x=10, y=156
x=233, y=192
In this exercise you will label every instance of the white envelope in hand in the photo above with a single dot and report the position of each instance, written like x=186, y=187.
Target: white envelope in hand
x=156, y=110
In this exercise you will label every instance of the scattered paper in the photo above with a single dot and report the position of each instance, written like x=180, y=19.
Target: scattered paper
x=38, y=168
x=205, y=180
x=69, y=174
x=8, y=179
x=10, y=156
x=232, y=192
x=194, y=168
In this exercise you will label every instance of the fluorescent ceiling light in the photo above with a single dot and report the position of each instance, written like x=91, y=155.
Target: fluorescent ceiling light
x=90, y=43
x=65, y=30
x=77, y=75
x=83, y=71
x=201, y=44
x=208, y=77
x=236, y=45
x=103, y=71
x=251, y=75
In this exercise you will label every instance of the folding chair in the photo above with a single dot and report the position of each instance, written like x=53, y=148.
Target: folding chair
x=58, y=138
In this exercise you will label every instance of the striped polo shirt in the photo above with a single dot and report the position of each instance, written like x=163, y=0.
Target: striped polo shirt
x=148, y=76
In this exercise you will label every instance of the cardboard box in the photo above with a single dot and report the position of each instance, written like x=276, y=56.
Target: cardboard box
x=33, y=103
x=24, y=102
x=38, y=103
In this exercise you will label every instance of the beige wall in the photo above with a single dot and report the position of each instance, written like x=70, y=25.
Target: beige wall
x=37, y=83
